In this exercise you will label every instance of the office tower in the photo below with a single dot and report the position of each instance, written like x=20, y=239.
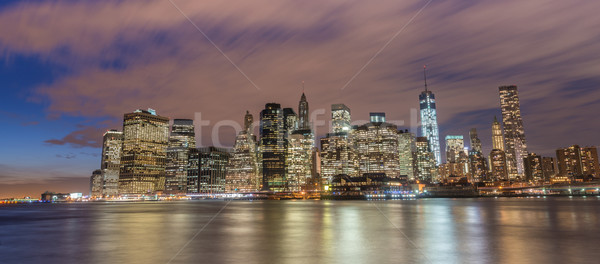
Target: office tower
x=337, y=157
x=569, y=161
x=181, y=140
x=497, y=137
x=429, y=125
x=548, y=168
x=475, y=141
x=207, y=170
x=406, y=158
x=315, y=181
x=112, y=143
x=242, y=171
x=477, y=167
x=455, y=146
x=533, y=168
x=340, y=118
x=96, y=184
x=589, y=162
x=376, y=147
x=303, y=119
x=514, y=134
x=290, y=123
x=498, y=166
x=273, y=147
x=144, y=153
x=249, y=123
x=424, y=160
x=299, y=159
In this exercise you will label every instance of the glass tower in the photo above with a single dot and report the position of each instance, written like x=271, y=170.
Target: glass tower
x=273, y=147
x=112, y=143
x=181, y=140
x=429, y=124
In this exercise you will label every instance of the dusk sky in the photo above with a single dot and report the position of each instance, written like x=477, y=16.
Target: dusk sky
x=69, y=70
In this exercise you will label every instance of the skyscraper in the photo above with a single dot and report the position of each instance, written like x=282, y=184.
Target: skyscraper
x=376, y=146
x=589, y=162
x=497, y=137
x=576, y=162
x=475, y=141
x=112, y=143
x=207, y=170
x=407, y=148
x=429, y=125
x=455, y=146
x=242, y=170
x=549, y=168
x=181, y=140
x=96, y=184
x=144, y=154
x=424, y=160
x=303, y=119
x=299, y=159
x=340, y=118
x=273, y=147
x=498, y=168
x=514, y=134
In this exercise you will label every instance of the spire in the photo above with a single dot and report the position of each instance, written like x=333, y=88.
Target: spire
x=425, y=76
x=495, y=119
x=302, y=87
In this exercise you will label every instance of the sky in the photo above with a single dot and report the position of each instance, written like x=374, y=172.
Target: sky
x=69, y=70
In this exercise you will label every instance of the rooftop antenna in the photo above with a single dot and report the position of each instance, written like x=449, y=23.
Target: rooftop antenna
x=302, y=86
x=425, y=76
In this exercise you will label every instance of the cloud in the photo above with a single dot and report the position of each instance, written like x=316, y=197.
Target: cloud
x=86, y=136
x=66, y=156
x=137, y=54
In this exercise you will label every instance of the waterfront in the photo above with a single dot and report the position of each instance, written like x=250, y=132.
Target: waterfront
x=482, y=230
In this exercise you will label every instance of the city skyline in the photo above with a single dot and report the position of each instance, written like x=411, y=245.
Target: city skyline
x=60, y=101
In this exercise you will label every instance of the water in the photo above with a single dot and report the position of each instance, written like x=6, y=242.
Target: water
x=486, y=230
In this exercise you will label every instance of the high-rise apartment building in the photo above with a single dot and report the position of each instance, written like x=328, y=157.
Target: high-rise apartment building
x=429, y=124
x=144, y=153
x=514, y=134
x=273, y=147
x=576, y=161
x=548, y=168
x=589, y=162
x=112, y=143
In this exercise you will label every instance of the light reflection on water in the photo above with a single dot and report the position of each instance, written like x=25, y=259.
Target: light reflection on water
x=505, y=230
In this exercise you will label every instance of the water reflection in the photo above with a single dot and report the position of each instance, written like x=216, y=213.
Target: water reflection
x=558, y=230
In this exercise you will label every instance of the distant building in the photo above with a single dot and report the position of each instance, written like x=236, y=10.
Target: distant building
x=273, y=147
x=424, y=161
x=340, y=118
x=514, y=134
x=498, y=166
x=407, y=148
x=575, y=161
x=548, y=168
x=534, y=171
x=478, y=170
x=144, y=154
x=337, y=157
x=451, y=170
x=376, y=146
x=181, y=140
x=112, y=143
x=429, y=123
x=475, y=141
x=207, y=170
x=299, y=159
x=242, y=171
x=303, y=118
x=497, y=137
x=96, y=184
x=455, y=146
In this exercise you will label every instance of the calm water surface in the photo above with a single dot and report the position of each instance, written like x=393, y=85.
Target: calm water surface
x=503, y=230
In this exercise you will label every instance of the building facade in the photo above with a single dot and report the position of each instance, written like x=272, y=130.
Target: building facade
x=514, y=134
x=112, y=143
x=407, y=148
x=534, y=171
x=429, y=123
x=181, y=140
x=207, y=170
x=376, y=147
x=144, y=153
x=498, y=168
x=273, y=148
x=424, y=161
